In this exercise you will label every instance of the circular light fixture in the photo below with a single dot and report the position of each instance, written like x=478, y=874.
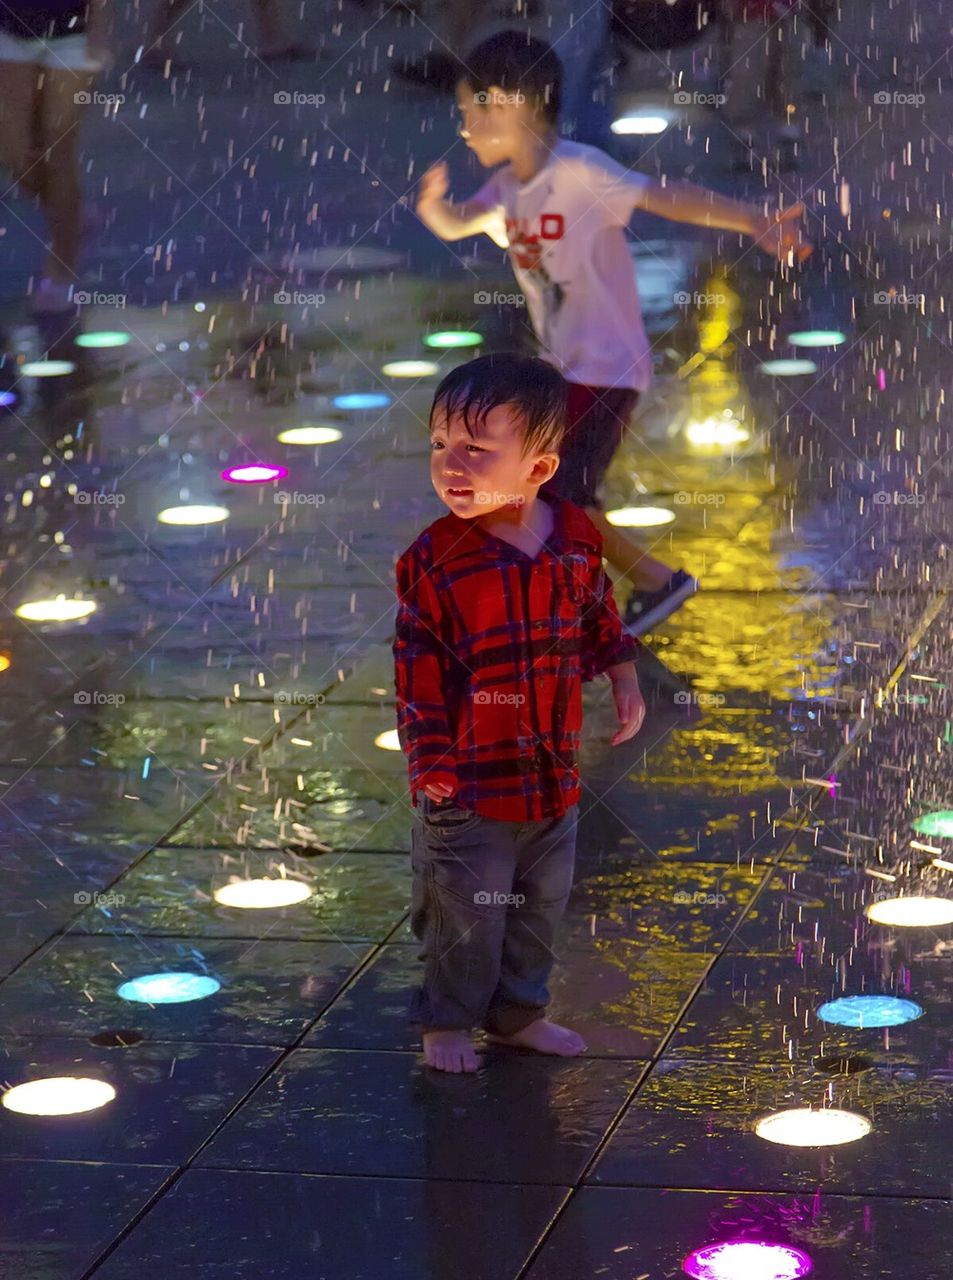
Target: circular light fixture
x=448, y=339
x=912, y=912
x=58, y=610
x=817, y=338
x=5, y=661
x=168, y=988
x=317, y=434
x=410, y=369
x=108, y=338
x=640, y=123
x=388, y=740
x=58, y=1096
x=362, y=400
x=640, y=517
x=869, y=1011
x=255, y=895
x=747, y=1260
x=47, y=368
x=787, y=368
x=254, y=473
x=938, y=823
x=803, y=1127
x=197, y=513
x=7, y=398
x=723, y=431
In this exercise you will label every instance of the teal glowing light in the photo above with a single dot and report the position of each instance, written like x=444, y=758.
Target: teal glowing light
x=105, y=339
x=449, y=338
x=787, y=368
x=362, y=400
x=817, y=338
x=168, y=988
x=869, y=1011
x=938, y=823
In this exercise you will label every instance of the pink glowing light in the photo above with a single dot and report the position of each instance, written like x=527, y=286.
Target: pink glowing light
x=747, y=1260
x=254, y=473
x=881, y=380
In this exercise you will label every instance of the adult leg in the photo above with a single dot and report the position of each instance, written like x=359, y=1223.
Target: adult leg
x=18, y=89
x=60, y=190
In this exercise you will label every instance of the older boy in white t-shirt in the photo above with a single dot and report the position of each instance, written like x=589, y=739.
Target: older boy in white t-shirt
x=561, y=209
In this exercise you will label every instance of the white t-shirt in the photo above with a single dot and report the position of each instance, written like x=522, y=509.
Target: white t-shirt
x=566, y=232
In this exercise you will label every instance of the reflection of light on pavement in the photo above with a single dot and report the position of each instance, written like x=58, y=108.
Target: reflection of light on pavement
x=58, y=1096
x=721, y=432
x=747, y=1260
x=168, y=988
x=869, y=1011
x=912, y=912
x=801, y=1127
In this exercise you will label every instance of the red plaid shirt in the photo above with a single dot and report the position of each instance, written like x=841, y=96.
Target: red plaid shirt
x=491, y=649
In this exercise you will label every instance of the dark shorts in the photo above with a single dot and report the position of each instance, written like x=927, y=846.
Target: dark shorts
x=596, y=419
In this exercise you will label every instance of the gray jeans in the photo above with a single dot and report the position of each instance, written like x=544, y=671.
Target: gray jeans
x=488, y=897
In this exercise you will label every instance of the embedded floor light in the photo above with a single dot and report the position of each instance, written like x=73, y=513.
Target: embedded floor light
x=254, y=473
x=639, y=517
x=58, y=1096
x=912, y=912
x=362, y=400
x=449, y=339
x=388, y=740
x=641, y=123
x=197, y=513
x=58, y=610
x=787, y=368
x=7, y=398
x=747, y=1260
x=817, y=338
x=410, y=369
x=803, y=1127
x=724, y=431
x=47, y=368
x=938, y=823
x=255, y=895
x=168, y=988
x=869, y=1011
x=317, y=434
x=108, y=338
x=5, y=661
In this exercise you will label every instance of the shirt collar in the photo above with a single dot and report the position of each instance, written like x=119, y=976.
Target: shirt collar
x=454, y=538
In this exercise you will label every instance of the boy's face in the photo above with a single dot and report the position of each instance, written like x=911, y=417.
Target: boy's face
x=478, y=475
x=491, y=123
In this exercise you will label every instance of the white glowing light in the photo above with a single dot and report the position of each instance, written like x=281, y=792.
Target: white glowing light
x=317, y=434
x=197, y=513
x=168, y=988
x=801, y=1127
x=47, y=368
x=913, y=912
x=723, y=431
x=640, y=123
x=747, y=1260
x=58, y=610
x=410, y=369
x=58, y=1096
x=787, y=368
x=640, y=517
x=256, y=895
x=388, y=741
x=817, y=338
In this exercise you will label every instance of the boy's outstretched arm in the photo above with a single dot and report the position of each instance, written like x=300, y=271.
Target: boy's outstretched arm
x=776, y=233
x=455, y=221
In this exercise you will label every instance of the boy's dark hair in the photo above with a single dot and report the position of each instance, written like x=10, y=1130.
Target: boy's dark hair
x=533, y=387
x=517, y=63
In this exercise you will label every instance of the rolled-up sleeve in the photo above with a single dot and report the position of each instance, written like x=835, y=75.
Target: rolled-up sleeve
x=606, y=642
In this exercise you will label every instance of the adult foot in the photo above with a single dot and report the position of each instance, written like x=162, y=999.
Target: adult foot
x=449, y=1051
x=646, y=609
x=544, y=1037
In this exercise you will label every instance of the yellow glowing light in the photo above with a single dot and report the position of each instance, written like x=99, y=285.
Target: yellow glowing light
x=58, y=1096
x=723, y=432
x=912, y=912
x=318, y=434
x=5, y=661
x=388, y=741
x=410, y=369
x=256, y=895
x=640, y=517
x=802, y=1127
x=195, y=514
x=58, y=610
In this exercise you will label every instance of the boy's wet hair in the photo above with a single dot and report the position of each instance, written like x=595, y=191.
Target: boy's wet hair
x=517, y=62
x=534, y=388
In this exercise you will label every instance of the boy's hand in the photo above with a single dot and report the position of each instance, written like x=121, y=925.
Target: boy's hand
x=434, y=185
x=629, y=705
x=438, y=790
x=783, y=234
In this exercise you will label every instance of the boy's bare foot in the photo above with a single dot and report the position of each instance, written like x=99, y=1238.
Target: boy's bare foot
x=449, y=1051
x=544, y=1037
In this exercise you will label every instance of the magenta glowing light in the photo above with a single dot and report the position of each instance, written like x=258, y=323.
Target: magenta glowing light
x=254, y=473
x=747, y=1260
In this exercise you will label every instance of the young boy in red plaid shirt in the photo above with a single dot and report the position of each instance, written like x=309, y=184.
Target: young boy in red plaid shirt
x=504, y=610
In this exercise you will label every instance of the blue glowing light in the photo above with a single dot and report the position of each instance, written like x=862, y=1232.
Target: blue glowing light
x=362, y=400
x=169, y=988
x=869, y=1011
x=7, y=397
